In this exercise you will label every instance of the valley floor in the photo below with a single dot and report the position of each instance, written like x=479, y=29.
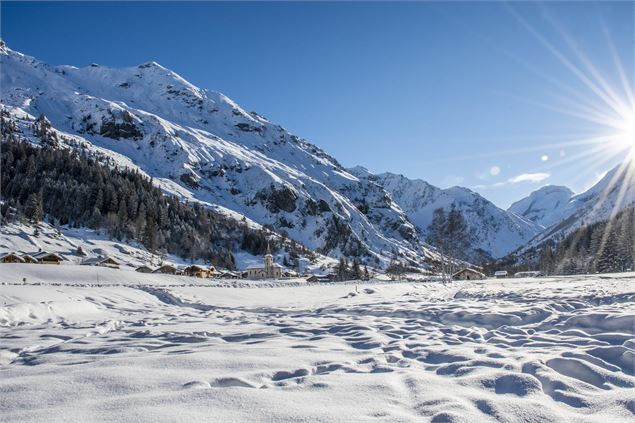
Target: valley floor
x=132, y=347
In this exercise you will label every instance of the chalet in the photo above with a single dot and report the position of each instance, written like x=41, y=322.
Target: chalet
x=102, y=262
x=500, y=274
x=168, y=269
x=468, y=274
x=48, y=258
x=197, y=271
x=321, y=278
x=144, y=269
x=230, y=275
x=269, y=270
x=11, y=258
x=28, y=258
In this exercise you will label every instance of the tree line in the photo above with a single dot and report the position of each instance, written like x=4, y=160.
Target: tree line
x=602, y=247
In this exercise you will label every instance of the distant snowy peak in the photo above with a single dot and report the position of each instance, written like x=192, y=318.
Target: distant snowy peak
x=545, y=206
x=614, y=192
x=493, y=231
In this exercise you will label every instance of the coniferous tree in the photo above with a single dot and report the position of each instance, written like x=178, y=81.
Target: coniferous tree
x=34, y=209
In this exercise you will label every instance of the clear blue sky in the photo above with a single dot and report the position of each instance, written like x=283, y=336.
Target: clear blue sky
x=453, y=93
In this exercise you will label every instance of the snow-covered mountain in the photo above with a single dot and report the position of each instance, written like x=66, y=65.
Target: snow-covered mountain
x=201, y=145
x=614, y=192
x=492, y=230
x=545, y=206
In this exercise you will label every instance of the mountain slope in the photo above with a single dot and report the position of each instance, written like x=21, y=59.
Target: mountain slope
x=492, y=230
x=201, y=145
x=613, y=193
x=545, y=206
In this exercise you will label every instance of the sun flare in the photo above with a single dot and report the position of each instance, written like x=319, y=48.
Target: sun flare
x=626, y=134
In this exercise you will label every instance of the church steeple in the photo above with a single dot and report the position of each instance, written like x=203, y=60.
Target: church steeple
x=269, y=263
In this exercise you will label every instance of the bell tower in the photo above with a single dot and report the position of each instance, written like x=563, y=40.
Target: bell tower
x=269, y=263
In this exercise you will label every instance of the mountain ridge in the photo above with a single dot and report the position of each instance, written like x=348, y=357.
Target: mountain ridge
x=207, y=148
x=202, y=146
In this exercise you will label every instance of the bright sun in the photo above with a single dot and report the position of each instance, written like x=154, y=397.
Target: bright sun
x=624, y=138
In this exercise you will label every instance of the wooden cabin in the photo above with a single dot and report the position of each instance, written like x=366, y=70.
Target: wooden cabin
x=144, y=269
x=321, y=278
x=229, y=275
x=28, y=258
x=168, y=269
x=468, y=274
x=48, y=258
x=11, y=258
x=196, y=271
x=102, y=262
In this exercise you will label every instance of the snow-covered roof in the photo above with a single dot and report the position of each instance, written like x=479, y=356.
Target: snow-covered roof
x=255, y=267
x=468, y=269
x=165, y=266
x=43, y=254
x=99, y=260
x=3, y=256
x=195, y=267
x=144, y=267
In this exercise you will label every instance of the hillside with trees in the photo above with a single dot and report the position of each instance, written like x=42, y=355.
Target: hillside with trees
x=602, y=247
x=68, y=188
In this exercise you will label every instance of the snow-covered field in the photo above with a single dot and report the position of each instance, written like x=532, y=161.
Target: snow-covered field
x=133, y=347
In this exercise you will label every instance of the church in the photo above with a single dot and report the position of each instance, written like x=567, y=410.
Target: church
x=270, y=270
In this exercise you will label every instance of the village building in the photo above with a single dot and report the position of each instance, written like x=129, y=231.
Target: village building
x=270, y=270
x=168, y=269
x=230, y=275
x=468, y=274
x=29, y=259
x=322, y=278
x=197, y=271
x=48, y=258
x=144, y=269
x=500, y=274
x=11, y=258
x=102, y=262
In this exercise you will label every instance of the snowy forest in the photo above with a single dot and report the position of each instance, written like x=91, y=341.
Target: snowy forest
x=601, y=247
x=68, y=188
x=606, y=246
